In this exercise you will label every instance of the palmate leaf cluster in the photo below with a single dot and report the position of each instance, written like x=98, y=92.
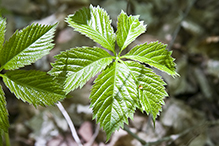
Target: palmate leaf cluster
x=23, y=48
x=124, y=82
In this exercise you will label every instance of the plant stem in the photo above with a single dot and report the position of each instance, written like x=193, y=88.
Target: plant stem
x=1, y=68
x=7, y=139
x=1, y=141
x=91, y=141
x=171, y=137
x=175, y=33
x=70, y=123
x=134, y=135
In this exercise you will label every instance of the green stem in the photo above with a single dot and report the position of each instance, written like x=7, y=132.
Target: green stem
x=1, y=75
x=1, y=141
x=134, y=135
x=7, y=139
x=1, y=68
x=119, y=53
x=175, y=33
x=115, y=54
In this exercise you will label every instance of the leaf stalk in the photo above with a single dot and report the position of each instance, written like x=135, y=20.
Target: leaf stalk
x=70, y=123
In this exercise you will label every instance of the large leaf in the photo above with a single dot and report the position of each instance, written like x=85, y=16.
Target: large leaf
x=94, y=22
x=154, y=54
x=78, y=65
x=4, y=124
x=26, y=46
x=151, y=88
x=114, y=97
x=2, y=33
x=34, y=87
x=129, y=28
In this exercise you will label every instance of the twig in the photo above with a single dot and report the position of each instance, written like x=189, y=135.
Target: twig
x=176, y=136
x=175, y=33
x=91, y=141
x=70, y=123
x=129, y=5
x=171, y=137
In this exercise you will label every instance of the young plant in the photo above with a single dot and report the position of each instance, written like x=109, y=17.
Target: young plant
x=125, y=83
x=23, y=48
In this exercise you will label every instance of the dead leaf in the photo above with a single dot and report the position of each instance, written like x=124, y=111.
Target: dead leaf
x=86, y=131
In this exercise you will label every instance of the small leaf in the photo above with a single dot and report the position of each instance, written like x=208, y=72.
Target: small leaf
x=26, y=46
x=78, y=65
x=152, y=91
x=34, y=87
x=114, y=97
x=154, y=54
x=129, y=28
x=4, y=124
x=94, y=22
x=2, y=33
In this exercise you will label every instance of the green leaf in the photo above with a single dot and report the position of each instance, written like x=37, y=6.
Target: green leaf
x=26, y=46
x=114, y=97
x=154, y=54
x=2, y=33
x=34, y=87
x=78, y=65
x=152, y=91
x=94, y=22
x=129, y=28
x=4, y=124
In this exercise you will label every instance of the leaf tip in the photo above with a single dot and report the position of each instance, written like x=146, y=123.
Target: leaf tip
x=175, y=75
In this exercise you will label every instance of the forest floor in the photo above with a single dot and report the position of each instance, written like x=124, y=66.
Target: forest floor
x=190, y=116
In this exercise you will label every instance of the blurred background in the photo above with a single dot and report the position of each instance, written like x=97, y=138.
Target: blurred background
x=191, y=114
